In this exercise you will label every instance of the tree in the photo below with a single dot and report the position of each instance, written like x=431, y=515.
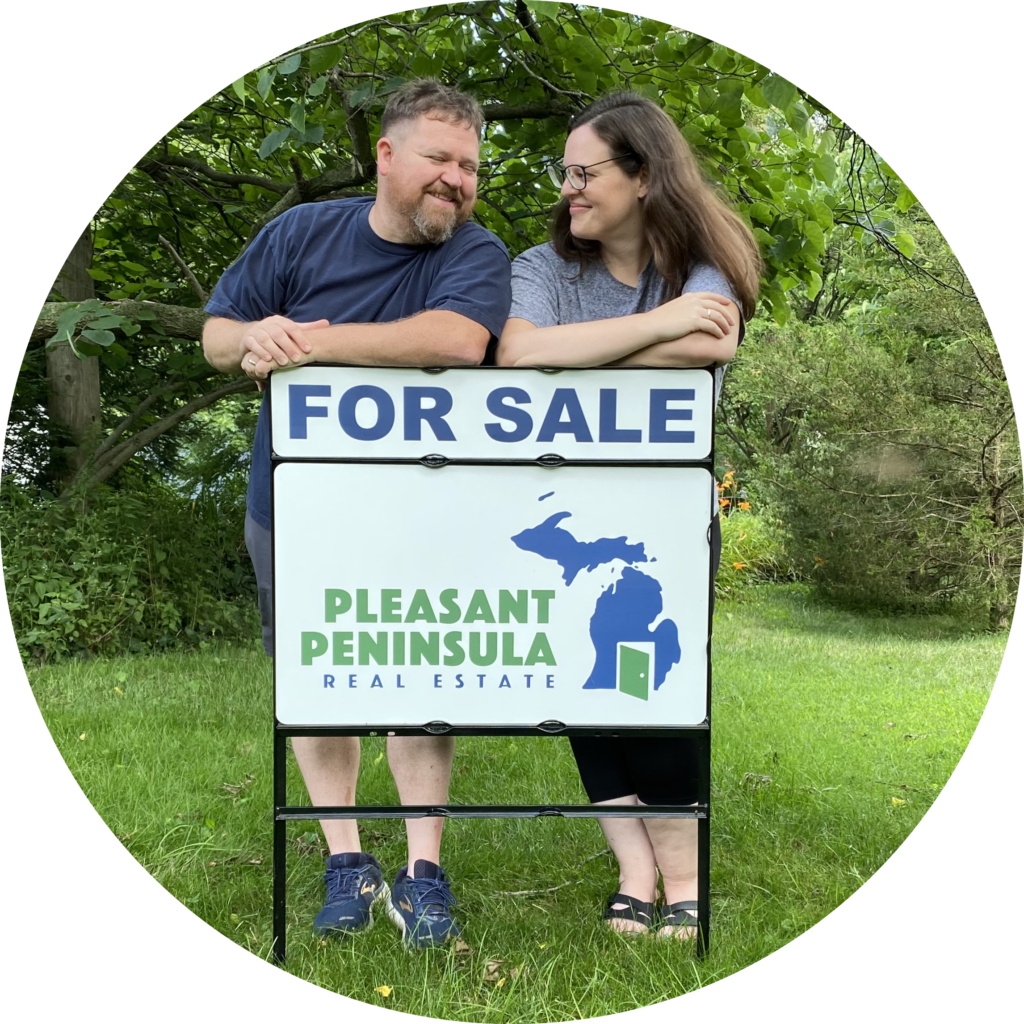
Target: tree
x=301, y=128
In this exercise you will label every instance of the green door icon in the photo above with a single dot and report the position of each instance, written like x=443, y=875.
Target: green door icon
x=634, y=671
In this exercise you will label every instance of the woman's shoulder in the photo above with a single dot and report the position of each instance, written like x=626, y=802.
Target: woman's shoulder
x=706, y=277
x=544, y=257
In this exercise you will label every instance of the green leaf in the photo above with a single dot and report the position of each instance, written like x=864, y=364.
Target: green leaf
x=323, y=58
x=905, y=200
x=762, y=212
x=814, y=285
x=297, y=117
x=904, y=241
x=265, y=82
x=314, y=136
x=317, y=87
x=290, y=64
x=545, y=9
x=103, y=338
x=68, y=321
x=98, y=275
x=135, y=268
x=106, y=322
x=756, y=96
x=825, y=169
x=778, y=91
x=814, y=235
x=797, y=116
x=391, y=85
x=823, y=215
x=273, y=142
x=239, y=88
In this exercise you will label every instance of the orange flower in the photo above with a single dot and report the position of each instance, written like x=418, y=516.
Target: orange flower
x=818, y=560
x=739, y=565
x=723, y=502
x=744, y=505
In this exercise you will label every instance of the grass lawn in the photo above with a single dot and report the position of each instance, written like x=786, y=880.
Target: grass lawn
x=833, y=733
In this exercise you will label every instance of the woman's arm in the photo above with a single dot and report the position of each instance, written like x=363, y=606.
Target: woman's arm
x=696, y=349
x=600, y=342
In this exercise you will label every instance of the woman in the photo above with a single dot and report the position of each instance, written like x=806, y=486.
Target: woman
x=647, y=266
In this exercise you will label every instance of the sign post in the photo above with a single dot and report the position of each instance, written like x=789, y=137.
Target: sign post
x=492, y=551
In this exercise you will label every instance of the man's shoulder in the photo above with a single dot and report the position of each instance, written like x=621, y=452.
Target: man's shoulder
x=472, y=235
x=327, y=213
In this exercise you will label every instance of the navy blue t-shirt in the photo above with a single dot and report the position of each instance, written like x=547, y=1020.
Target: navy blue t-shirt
x=323, y=260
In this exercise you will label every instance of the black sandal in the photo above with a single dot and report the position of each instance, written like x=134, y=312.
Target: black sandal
x=677, y=916
x=635, y=910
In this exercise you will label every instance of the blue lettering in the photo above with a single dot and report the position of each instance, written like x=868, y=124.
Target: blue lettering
x=299, y=411
x=551, y=682
x=564, y=400
x=399, y=683
x=520, y=417
x=352, y=682
x=328, y=682
x=385, y=412
x=528, y=677
x=437, y=681
x=505, y=683
x=377, y=683
x=481, y=678
x=460, y=681
x=608, y=430
x=434, y=415
x=661, y=414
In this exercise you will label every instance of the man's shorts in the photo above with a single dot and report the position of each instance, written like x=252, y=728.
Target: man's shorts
x=257, y=543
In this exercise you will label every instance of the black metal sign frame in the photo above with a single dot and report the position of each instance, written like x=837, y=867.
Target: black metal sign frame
x=700, y=733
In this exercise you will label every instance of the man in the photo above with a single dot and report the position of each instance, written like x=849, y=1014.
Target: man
x=404, y=279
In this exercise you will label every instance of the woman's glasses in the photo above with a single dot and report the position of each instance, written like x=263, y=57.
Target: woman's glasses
x=576, y=174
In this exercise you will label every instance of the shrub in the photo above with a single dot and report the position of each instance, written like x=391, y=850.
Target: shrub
x=135, y=570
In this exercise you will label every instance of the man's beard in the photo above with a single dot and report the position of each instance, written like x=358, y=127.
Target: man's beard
x=438, y=227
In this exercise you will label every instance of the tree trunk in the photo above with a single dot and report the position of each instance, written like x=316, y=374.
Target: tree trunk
x=74, y=384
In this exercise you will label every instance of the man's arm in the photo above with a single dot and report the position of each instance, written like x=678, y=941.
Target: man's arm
x=432, y=338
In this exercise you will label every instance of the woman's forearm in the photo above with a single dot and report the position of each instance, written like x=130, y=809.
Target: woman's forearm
x=585, y=344
x=695, y=349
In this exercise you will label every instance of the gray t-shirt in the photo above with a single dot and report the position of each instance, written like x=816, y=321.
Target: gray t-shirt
x=547, y=291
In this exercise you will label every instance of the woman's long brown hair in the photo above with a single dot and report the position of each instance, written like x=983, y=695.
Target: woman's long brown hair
x=685, y=221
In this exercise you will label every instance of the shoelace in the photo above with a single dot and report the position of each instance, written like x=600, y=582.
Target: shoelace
x=432, y=892
x=342, y=882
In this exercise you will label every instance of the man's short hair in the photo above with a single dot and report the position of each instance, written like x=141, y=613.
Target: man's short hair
x=433, y=98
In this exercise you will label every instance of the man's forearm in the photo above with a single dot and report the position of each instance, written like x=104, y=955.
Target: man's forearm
x=221, y=343
x=433, y=338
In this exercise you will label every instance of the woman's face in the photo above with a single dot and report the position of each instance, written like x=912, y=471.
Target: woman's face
x=609, y=207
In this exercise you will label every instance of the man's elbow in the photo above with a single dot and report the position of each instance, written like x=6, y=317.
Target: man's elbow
x=466, y=348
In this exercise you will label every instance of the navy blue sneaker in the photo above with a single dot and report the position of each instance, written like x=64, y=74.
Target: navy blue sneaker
x=419, y=906
x=354, y=884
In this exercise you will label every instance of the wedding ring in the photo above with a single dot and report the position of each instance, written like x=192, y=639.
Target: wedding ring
x=252, y=360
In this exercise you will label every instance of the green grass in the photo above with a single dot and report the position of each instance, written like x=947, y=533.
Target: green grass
x=833, y=733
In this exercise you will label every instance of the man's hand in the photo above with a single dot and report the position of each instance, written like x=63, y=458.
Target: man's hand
x=273, y=343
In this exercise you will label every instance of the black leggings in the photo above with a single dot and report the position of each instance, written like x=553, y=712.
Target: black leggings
x=658, y=770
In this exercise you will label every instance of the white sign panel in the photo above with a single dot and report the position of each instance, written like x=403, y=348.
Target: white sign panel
x=496, y=595
x=334, y=412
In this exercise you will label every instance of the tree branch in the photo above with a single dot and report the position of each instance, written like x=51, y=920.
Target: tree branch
x=177, y=321
x=96, y=472
x=225, y=178
x=185, y=269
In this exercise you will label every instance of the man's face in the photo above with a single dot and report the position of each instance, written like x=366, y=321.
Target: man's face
x=430, y=168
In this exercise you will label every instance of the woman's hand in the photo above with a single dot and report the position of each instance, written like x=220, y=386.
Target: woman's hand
x=691, y=312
